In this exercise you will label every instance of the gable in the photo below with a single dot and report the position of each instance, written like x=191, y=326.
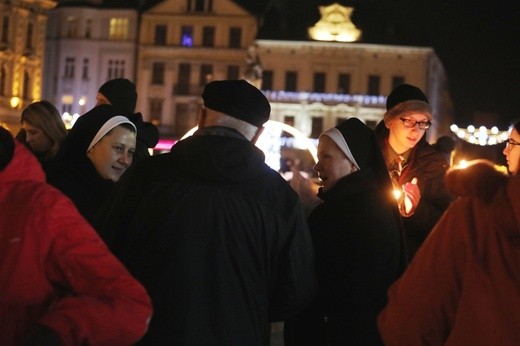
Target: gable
x=219, y=8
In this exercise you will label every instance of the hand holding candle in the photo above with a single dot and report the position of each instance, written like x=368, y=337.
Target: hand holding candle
x=412, y=196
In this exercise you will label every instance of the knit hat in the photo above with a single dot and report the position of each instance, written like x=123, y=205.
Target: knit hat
x=404, y=92
x=6, y=147
x=404, y=98
x=121, y=93
x=239, y=99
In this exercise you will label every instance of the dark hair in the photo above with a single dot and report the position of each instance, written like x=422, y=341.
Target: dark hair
x=6, y=148
x=516, y=125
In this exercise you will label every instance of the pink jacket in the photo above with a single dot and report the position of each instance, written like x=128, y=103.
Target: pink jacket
x=56, y=271
x=463, y=286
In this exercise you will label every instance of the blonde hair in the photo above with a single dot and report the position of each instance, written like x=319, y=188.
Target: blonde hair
x=45, y=116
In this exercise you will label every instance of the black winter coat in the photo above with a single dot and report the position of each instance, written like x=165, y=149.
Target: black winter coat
x=218, y=239
x=429, y=166
x=359, y=252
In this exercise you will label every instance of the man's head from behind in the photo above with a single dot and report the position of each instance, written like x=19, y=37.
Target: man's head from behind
x=236, y=104
x=119, y=92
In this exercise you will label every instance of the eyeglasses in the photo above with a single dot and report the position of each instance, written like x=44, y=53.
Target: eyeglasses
x=423, y=125
x=511, y=143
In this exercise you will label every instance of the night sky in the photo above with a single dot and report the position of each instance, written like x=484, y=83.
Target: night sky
x=476, y=41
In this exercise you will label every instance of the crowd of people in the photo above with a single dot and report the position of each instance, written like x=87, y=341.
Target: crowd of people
x=103, y=244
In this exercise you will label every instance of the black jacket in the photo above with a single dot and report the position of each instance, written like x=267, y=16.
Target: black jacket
x=429, y=166
x=218, y=239
x=359, y=252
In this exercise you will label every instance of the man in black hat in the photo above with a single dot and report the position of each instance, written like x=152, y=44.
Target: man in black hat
x=416, y=168
x=217, y=237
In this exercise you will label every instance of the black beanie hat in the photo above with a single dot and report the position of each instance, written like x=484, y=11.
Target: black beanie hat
x=121, y=93
x=404, y=92
x=6, y=147
x=239, y=99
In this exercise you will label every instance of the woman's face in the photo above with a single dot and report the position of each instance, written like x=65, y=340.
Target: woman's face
x=402, y=138
x=38, y=140
x=332, y=163
x=113, y=154
x=512, y=152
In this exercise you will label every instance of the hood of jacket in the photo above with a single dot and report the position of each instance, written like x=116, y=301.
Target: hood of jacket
x=24, y=166
x=222, y=155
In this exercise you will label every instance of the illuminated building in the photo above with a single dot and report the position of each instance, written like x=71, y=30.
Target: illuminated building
x=174, y=48
x=88, y=43
x=22, y=40
x=184, y=45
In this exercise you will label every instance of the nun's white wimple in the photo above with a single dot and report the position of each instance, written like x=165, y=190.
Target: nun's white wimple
x=338, y=138
x=109, y=125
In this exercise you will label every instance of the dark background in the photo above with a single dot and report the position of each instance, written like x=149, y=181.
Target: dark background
x=477, y=42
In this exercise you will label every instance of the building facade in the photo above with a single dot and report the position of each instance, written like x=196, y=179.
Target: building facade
x=22, y=41
x=315, y=85
x=174, y=48
x=183, y=45
x=88, y=43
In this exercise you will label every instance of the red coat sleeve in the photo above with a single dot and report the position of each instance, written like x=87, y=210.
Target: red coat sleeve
x=422, y=304
x=102, y=304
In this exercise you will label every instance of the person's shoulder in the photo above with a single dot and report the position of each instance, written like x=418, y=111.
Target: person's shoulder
x=480, y=179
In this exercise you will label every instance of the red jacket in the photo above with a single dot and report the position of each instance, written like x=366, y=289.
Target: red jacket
x=463, y=286
x=55, y=270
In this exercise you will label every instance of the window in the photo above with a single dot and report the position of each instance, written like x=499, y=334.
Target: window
x=185, y=118
x=156, y=106
x=158, y=73
x=289, y=120
x=208, y=36
x=267, y=80
x=72, y=27
x=5, y=30
x=69, y=67
x=291, y=80
x=344, y=83
x=160, y=35
x=116, y=69
x=187, y=36
x=118, y=29
x=2, y=81
x=26, y=85
x=316, y=127
x=373, y=85
x=206, y=74
x=200, y=5
x=397, y=80
x=319, y=82
x=29, y=37
x=183, y=79
x=88, y=28
x=235, y=37
x=84, y=73
x=233, y=72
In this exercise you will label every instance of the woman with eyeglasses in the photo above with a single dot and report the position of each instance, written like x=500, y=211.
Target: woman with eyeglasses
x=415, y=167
x=512, y=149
